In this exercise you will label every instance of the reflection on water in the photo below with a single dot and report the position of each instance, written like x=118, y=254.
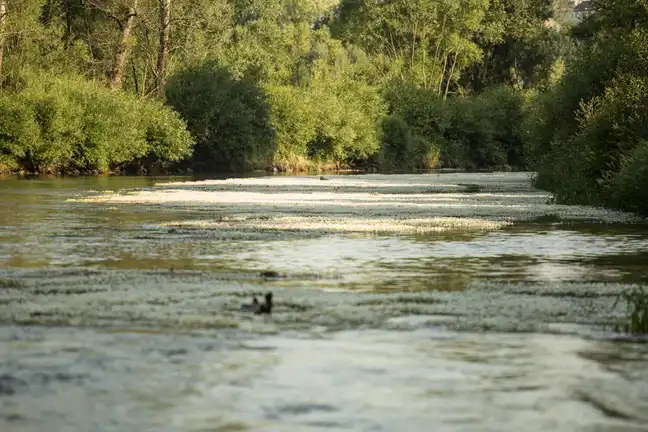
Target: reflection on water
x=359, y=380
x=409, y=302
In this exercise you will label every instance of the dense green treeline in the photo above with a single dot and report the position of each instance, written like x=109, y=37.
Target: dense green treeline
x=126, y=85
x=587, y=136
x=95, y=85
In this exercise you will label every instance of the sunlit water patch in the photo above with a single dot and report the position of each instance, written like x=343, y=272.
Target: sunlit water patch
x=349, y=380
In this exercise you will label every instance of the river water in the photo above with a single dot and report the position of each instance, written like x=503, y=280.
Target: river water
x=446, y=302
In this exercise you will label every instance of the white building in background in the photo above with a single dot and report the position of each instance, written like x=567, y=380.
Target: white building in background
x=580, y=11
x=570, y=13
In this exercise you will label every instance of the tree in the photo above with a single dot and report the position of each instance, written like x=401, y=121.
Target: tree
x=424, y=41
x=123, y=48
x=163, y=52
x=587, y=137
x=228, y=117
x=3, y=12
x=520, y=47
x=612, y=15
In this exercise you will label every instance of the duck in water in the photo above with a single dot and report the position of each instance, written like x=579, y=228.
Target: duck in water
x=258, y=308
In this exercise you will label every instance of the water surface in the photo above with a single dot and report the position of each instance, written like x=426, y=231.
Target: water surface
x=404, y=302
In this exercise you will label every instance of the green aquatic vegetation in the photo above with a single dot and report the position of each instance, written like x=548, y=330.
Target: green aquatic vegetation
x=546, y=218
x=636, y=320
x=400, y=299
x=367, y=204
x=470, y=188
x=11, y=284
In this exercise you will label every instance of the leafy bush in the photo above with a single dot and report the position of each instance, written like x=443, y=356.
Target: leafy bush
x=628, y=191
x=397, y=144
x=228, y=117
x=425, y=154
x=479, y=131
x=596, y=153
x=18, y=130
x=428, y=118
x=486, y=127
x=346, y=114
x=552, y=118
x=293, y=123
x=328, y=121
x=71, y=125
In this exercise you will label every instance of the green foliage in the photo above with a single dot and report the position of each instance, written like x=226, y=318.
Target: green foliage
x=292, y=122
x=474, y=132
x=228, y=117
x=423, y=109
x=73, y=125
x=425, y=153
x=486, y=127
x=519, y=50
x=327, y=122
x=427, y=119
x=627, y=190
x=553, y=115
x=587, y=136
x=324, y=113
x=347, y=114
x=426, y=42
x=265, y=82
x=18, y=129
x=397, y=144
x=614, y=17
x=166, y=133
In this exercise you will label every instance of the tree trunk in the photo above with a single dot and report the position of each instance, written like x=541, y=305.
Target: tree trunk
x=443, y=71
x=163, y=53
x=117, y=73
x=437, y=59
x=454, y=63
x=3, y=12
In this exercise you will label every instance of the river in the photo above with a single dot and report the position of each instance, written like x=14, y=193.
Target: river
x=445, y=302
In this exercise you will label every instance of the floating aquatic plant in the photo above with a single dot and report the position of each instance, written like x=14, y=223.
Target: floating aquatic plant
x=377, y=200
x=636, y=320
x=11, y=283
x=344, y=224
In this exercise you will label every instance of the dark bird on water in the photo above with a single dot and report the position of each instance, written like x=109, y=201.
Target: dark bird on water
x=259, y=308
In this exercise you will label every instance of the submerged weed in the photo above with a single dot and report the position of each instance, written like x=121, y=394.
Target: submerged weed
x=470, y=187
x=636, y=311
x=11, y=284
x=547, y=218
x=405, y=300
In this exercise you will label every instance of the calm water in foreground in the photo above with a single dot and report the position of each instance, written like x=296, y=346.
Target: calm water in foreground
x=452, y=302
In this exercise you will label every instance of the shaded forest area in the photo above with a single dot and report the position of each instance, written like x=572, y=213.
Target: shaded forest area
x=95, y=86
